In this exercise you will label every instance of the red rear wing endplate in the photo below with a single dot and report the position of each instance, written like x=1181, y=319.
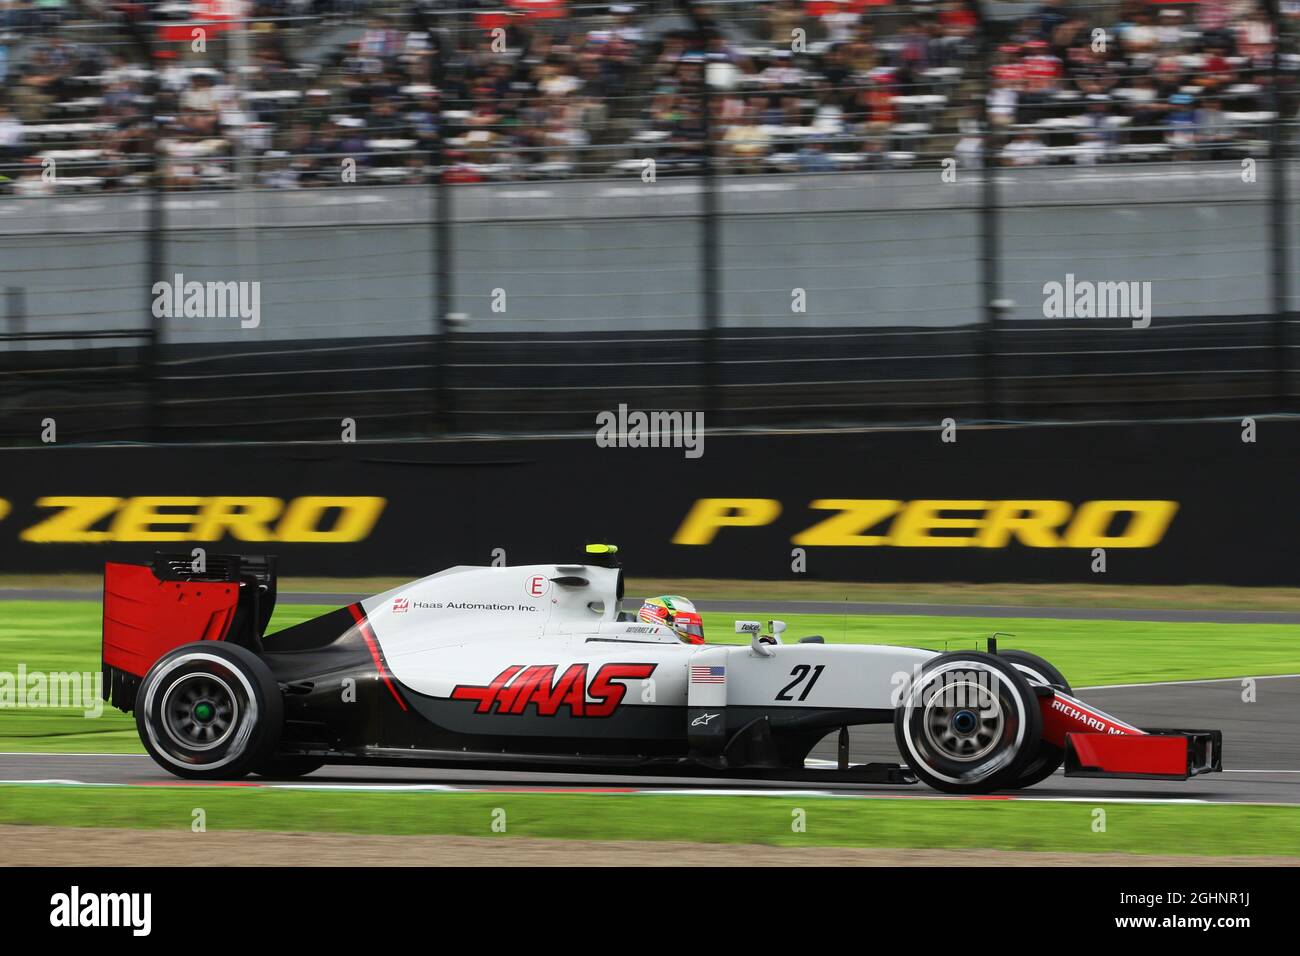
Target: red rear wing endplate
x=144, y=617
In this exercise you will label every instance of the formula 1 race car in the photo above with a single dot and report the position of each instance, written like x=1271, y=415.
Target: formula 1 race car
x=537, y=668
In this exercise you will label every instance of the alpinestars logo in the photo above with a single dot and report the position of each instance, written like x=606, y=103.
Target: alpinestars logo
x=519, y=685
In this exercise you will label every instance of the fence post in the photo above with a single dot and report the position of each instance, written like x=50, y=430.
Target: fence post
x=442, y=300
x=156, y=419
x=440, y=219
x=444, y=413
x=989, y=224
x=16, y=313
x=710, y=253
x=155, y=224
x=1279, y=239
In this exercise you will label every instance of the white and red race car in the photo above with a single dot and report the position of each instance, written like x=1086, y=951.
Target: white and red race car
x=537, y=668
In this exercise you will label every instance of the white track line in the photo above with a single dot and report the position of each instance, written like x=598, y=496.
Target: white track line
x=787, y=794
x=1177, y=683
x=1259, y=771
x=59, y=753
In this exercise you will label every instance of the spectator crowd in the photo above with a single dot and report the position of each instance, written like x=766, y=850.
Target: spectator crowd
x=315, y=93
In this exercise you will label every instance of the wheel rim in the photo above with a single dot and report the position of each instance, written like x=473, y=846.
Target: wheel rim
x=200, y=711
x=151, y=711
x=967, y=730
x=921, y=741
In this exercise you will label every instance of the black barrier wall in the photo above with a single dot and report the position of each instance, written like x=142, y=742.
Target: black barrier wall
x=1169, y=503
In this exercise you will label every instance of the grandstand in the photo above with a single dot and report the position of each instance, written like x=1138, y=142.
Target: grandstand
x=545, y=91
x=652, y=187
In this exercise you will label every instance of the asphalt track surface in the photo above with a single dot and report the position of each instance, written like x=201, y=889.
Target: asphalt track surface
x=761, y=608
x=1261, y=757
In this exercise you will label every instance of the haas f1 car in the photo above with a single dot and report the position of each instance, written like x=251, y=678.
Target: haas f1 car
x=537, y=668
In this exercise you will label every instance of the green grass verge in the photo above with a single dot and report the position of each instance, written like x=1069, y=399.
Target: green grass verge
x=1061, y=827
x=799, y=588
x=63, y=636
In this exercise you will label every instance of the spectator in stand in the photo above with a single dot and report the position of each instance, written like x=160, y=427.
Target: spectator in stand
x=958, y=24
x=378, y=45
x=1025, y=149
x=1170, y=34
x=745, y=141
x=1182, y=125
x=11, y=136
x=812, y=158
x=876, y=111
x=1213, y=130
x=1139, y=38
x=1098, y=137
x=1051, y=15
x=784, y=17
x=1005, y=83
x=1212, y=17
x=913, y=56
x=1254, y=36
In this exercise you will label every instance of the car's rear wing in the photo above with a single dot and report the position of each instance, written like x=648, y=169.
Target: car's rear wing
x=149, y=609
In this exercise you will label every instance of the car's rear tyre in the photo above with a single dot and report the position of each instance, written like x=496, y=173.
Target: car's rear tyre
x=968, y=723
x=289, y=765
x=209, y=711
x=1049, y=756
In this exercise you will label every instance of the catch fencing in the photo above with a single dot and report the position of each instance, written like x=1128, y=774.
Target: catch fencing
x=899, y=286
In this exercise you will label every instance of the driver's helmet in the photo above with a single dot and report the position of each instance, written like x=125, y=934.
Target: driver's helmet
x=675, y=612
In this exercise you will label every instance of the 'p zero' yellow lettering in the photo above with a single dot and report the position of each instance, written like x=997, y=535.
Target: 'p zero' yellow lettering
x=356, y=516
x=1033, y=523
x=912, y=528
x=73, y=522
x=247, y=519
x=140, y=517
x=1145, y=528
x=709, y=515
x=846, y=528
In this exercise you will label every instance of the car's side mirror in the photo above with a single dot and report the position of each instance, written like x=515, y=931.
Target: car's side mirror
x=758, y=642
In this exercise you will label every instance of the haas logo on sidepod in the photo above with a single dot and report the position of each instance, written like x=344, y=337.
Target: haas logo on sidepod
x=519, y=685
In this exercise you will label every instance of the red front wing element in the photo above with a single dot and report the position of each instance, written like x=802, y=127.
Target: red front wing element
x=1098, y=745
x=144, y=617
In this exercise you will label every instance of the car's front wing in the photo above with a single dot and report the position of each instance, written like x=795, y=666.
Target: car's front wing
x=1099, y=745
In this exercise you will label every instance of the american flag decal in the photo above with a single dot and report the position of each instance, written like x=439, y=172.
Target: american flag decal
x=702, y=674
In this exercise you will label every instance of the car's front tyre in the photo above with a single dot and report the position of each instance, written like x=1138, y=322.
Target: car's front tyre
x=209, y=711
x=968, y=723
x=1049, y=757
